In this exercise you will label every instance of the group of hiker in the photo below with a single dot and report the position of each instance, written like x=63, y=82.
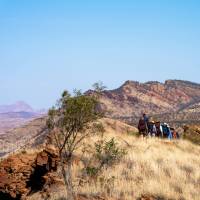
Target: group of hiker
x=156, y=129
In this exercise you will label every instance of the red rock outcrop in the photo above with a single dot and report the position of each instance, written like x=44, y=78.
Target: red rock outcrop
x=151, y=197
x=22, y=174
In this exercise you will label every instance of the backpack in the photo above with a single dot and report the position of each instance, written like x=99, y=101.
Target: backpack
x=141, y=125
x=165, y=130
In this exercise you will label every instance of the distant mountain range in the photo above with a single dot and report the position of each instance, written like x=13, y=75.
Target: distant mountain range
x=173, y=100
x=14, y=115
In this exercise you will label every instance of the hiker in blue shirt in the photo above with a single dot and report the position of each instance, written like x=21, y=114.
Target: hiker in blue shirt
x=166, y=131
x=169, y=134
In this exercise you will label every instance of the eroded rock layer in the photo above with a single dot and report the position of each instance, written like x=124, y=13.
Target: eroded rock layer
x=25, y=173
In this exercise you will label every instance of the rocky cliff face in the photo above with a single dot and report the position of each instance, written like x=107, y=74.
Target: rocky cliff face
x=134, y=98
x=24, y=173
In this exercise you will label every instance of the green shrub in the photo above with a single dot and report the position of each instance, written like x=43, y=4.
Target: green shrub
x=106, y=154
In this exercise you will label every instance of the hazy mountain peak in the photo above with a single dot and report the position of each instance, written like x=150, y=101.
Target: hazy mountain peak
x=17, y=114
x=19, y=106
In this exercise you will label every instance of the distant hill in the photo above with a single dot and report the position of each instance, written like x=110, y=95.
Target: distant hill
x=14, y=115
x=19, y=106
x=132, y=99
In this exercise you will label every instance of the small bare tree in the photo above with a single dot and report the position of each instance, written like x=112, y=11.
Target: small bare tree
x=69, y=123
x=99, y=87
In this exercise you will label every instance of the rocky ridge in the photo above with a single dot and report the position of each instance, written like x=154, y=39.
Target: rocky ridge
x=132, y=99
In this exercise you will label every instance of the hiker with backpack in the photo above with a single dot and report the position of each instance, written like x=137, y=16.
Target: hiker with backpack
x=158, y=129
x=146, y=120
x=152, y=129
x=142, y=127
x=166, y=131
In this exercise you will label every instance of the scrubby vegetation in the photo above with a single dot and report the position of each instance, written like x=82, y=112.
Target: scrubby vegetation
x=162, y=168
x=153, y=166
x=192, y=133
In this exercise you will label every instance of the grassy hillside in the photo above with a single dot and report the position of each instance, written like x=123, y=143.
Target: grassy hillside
x=162, y=168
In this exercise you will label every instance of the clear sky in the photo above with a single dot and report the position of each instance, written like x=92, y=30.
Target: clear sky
x=47, y=46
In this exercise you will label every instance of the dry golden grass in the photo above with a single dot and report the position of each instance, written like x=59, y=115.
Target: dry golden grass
x=169, y=169
x=152, y=166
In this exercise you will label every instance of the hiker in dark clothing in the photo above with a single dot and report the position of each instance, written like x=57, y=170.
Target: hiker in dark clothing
x=158, y=129
x=150, y=128
x=146, y=120
x=142, y=127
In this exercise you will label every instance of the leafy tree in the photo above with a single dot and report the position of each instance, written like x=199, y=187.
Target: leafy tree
x=70, y=123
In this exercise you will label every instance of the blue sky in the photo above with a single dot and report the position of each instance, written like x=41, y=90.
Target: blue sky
x=51, y=45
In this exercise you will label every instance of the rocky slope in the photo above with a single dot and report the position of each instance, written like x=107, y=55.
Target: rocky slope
x=133, y=98
x=23, y=173
x=15, y=119
x=31, y=134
